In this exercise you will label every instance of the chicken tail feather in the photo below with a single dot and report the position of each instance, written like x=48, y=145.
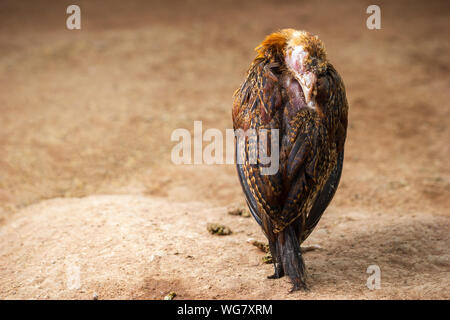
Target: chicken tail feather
x=291, y=258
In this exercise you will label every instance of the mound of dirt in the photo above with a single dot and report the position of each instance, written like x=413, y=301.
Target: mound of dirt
x=136, y=247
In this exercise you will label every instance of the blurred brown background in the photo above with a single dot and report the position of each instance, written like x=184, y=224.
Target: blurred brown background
x=91, y=111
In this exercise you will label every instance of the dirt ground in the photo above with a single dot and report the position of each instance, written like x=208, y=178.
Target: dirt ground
x=87, y=186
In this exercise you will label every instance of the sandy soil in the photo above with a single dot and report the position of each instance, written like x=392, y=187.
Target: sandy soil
x=86, y=179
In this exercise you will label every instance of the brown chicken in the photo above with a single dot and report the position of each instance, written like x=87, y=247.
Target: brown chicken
x=291, y=86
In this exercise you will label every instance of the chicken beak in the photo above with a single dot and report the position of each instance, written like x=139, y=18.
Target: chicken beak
x=308, y=82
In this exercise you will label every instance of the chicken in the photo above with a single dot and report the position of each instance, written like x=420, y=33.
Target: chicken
x=291, y=86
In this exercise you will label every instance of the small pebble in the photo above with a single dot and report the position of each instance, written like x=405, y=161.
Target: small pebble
x=264, y=247
x=239, y=212
x=235, y=211
x=215, y=228
x=310, y=248
x=170, y=296
x=267, y=259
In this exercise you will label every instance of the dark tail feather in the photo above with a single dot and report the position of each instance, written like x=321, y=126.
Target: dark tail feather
x=276, y=258
x=288, y=248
